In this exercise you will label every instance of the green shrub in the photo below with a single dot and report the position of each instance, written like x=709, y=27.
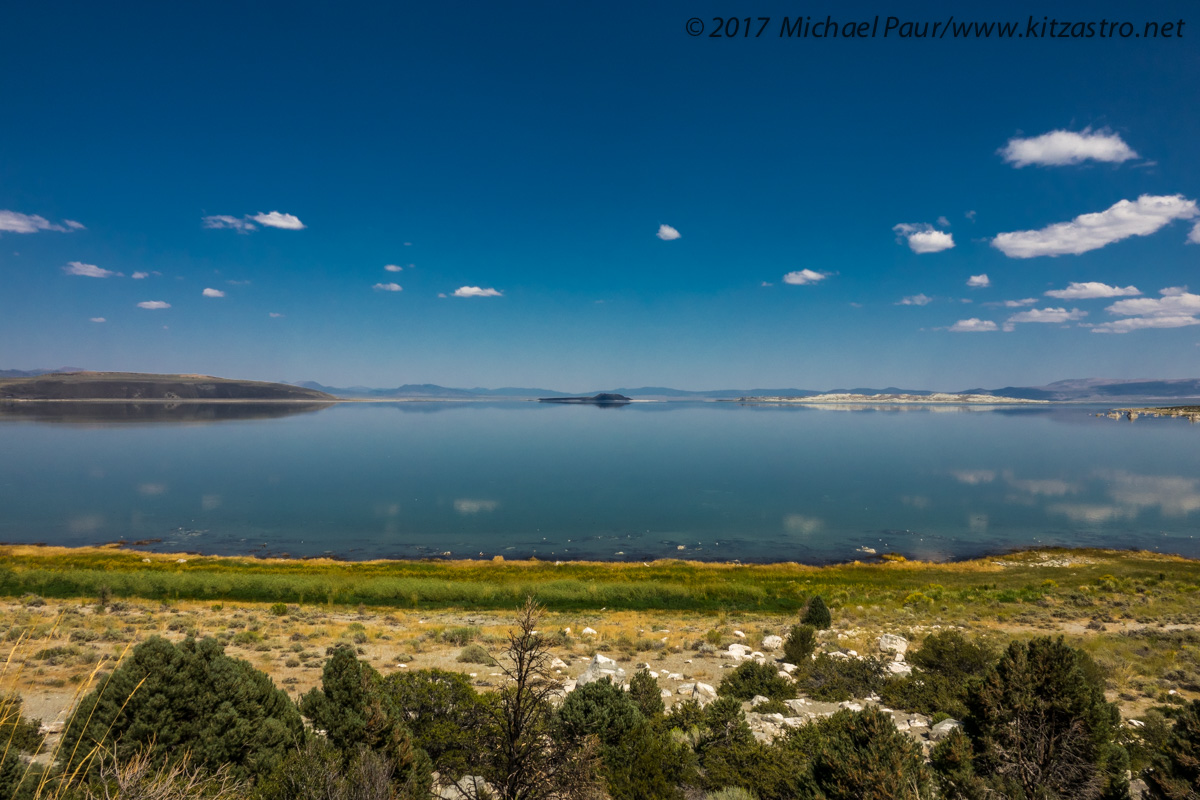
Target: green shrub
x=800, y=644
x=863, y=757
x=837, y=679
x=187, y=697
x=646, y=694
x=443, y=714
x=475, y=654
x=751, y=678
x=817, y=614
x=460, y=636
x=279, y=609
x=1040, y=725
x=1175, y=770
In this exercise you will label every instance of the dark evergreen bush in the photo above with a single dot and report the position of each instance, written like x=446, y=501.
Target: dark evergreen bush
x=442, y=712
x=187, y=698
x=1175, y=772
x=800, y=643
x=861, y=756
x=817, y=614
x=647, y=696
x=751, y=678
x=1040, y=726
x=836, y=679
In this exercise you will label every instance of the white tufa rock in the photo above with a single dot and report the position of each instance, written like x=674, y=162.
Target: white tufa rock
x=943, y=729
x=899, y=668
x=890, y=643
x=739, y=634
x=588, y=632
x=772, y=642
x=601, y=667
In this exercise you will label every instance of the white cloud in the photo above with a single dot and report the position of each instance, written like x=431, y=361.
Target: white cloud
x=972, y=325
x=804, y=277
x=387, y=287
x=1091, y=290
x=979, y=281
x=1140, y=323
x=219, y=221
x=466, y=506
x=923, y=238
x=274, y=314
x=276, y=219
x=88, y=270
x=393, y=268
x=154, y=304
x=801, y=524
x=1025, y=301
x=916, y=300
x=1194, y=236
x=73, y=225
x=1062, y=148
x=667, y=233
x=1087, y=232
x=767, y=283
x=1177, y=308
x=137, y=276
x=974, y=477
x=475, y=291
x=98, y=319
x=213, y=293
x=1048, y=315
x=16, y=222
x=943, y=222
x=970, y=215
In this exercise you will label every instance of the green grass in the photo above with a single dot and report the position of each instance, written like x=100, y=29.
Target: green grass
x=1111, y=582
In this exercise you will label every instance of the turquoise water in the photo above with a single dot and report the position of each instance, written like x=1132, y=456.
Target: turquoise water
x=698, y=480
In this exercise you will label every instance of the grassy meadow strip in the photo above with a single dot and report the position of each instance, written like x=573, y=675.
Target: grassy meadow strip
x=1170, y=582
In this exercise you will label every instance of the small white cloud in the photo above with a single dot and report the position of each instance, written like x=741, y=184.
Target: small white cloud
x=137, y=276
x=1194, y=236
x=1140, y=323
x=238, y=283
x=667, y=233
x=274, y=314
x=767, y=283
x=213, y=293
x=972, y=325
x=73, y=225
x=804, y=277
x=275, y=219
x=916, y=300
x=1062, y=148
x=1091, y=290
x=387, y=287
x=1025, y=301
x=16, y=222
x=393, y=268
x=219, y=221
x=153, y=304
x=475, y=291
x=970, y=215
x=88, y=270
x=466, y=506
x=98, y=319
x=1050, y=315
x=1087, y=232
x=923, y=238
x=979, y=281
x=943, y=222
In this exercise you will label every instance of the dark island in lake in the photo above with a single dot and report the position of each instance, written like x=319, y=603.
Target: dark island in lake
x=602, y=399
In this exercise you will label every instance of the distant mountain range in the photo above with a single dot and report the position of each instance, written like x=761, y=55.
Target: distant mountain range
x=1076, y=390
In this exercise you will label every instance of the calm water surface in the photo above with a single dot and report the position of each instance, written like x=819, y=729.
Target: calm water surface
x=699, y=480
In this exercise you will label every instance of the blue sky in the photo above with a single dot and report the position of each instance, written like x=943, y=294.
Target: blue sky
x=280, y=156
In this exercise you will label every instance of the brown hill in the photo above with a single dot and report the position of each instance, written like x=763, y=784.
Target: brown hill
x=136, y=386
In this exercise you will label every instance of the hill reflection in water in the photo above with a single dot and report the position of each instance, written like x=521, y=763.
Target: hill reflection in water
x=88, y=412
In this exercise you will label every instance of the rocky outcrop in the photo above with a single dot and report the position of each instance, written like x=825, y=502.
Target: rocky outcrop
x=601, y=667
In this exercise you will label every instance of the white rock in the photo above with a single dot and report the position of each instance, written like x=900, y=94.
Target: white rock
x=890, y=643
x=665, y=693
x=739, y=634
x=674, y=676
x=899, y=668
x=601, y=667
x=772, y=642
x=588, y=632
x=558, y=663
x=740, y=649
x=943, y=729
x=788, y=668
x=758, y=700
x=700, y=691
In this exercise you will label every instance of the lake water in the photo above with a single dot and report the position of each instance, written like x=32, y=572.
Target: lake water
x=713, y=481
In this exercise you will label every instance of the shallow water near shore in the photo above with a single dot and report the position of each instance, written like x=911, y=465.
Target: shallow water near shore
x=708, y=481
